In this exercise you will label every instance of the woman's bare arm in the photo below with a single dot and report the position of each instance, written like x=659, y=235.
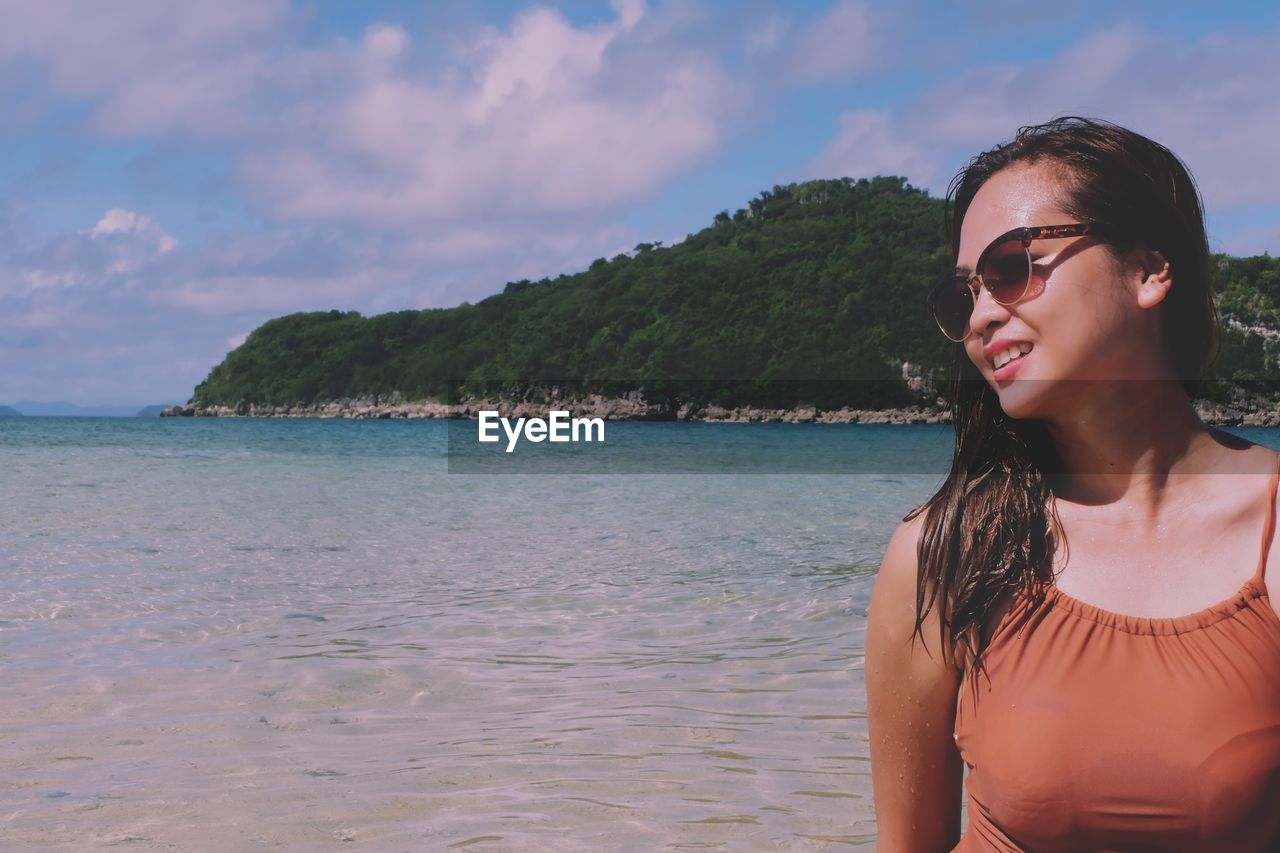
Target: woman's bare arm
x=916, y=770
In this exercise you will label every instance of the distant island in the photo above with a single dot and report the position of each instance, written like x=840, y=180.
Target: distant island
x=808, y=304
x=63, y=409
x=9, y=412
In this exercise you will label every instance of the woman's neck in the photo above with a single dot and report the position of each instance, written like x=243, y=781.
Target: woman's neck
x=1125, y=440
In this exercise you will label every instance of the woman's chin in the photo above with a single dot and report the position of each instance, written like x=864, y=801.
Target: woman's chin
x=1023, y=399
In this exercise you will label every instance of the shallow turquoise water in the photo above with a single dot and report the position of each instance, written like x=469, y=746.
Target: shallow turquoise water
x=302, y=634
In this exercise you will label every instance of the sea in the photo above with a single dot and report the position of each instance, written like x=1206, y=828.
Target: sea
x=269, y=634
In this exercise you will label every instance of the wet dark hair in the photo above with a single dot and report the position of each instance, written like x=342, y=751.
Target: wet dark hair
x=988, y=530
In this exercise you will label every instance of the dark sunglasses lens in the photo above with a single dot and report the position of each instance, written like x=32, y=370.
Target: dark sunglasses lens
x=1006, y=271
x=951, y=303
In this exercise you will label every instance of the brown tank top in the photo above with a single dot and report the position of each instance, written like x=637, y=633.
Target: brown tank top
x=1092, y=730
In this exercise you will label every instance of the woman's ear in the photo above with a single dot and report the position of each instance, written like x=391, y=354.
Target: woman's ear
x=1156, y=280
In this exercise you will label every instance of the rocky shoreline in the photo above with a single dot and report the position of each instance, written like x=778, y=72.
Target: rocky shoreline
x=634, y=406
x=631, y=407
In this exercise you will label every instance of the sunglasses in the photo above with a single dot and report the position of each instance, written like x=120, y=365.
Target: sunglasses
x=1003, y=268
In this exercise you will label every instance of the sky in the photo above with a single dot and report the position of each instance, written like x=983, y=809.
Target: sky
x=173, y=174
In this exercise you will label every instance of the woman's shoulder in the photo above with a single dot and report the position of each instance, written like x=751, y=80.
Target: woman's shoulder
x=1239, y=454
x=895, y=596
x=1241, y=464
x=900, y=568
x=894, y=621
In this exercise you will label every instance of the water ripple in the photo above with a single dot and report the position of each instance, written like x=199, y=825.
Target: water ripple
x=304, y=634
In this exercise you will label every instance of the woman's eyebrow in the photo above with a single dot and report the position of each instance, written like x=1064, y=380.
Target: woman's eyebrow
x=963, y=270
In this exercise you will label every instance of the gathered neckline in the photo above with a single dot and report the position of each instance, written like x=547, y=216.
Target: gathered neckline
x=1253, y=589
x=1250, y=591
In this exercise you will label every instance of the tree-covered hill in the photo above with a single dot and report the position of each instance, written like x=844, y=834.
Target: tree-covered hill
x=812, y=294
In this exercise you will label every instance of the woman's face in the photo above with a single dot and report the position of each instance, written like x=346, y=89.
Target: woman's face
x=1081, y=315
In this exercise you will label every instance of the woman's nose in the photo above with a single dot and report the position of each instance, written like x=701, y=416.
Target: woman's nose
x=985, y=312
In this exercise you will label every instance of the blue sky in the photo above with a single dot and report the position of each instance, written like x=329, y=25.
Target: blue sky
x=174, y=174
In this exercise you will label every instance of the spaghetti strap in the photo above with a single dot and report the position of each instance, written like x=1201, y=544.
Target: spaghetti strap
x=1268, y=528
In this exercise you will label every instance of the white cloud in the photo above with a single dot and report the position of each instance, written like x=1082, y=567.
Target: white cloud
x=1200, y=98
x=766, y=35
x=384, y=43
x=39, y=279
x=534, y=119
x=238, y=294
x=129, y=241
x=539, y=116
x=39, y=315
x=145, y=239
x=867, y=145
x=120, y=243
x=190, y=67
x=842, y=41
x=115, y=221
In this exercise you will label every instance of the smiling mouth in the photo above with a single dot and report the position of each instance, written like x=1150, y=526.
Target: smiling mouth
x=1010, y=355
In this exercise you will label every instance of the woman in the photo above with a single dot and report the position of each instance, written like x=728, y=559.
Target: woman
x=1079, y=617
